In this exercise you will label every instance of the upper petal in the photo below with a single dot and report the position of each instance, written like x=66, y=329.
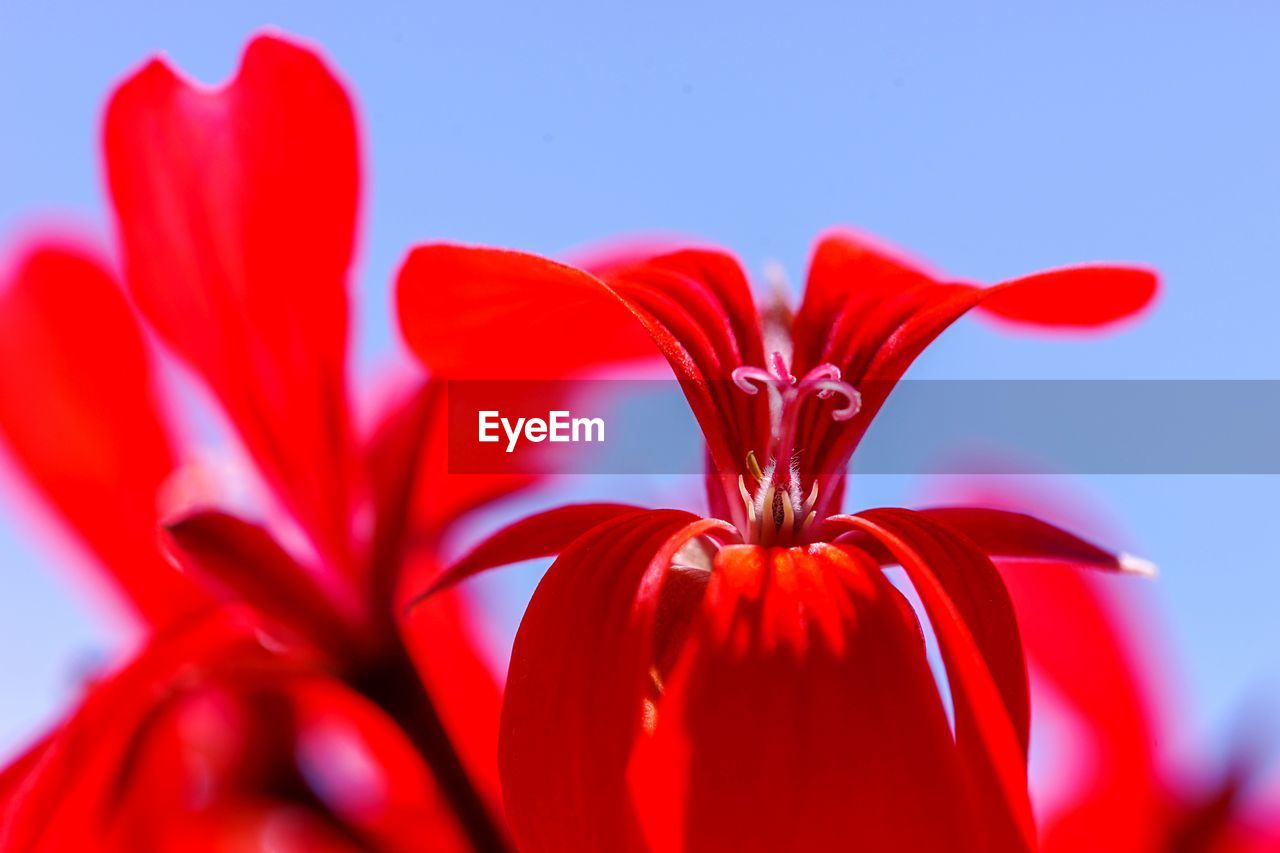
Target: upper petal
x=479, y=313
x=871, y=312
x=490, y=313
x=236, y=209
x=78, y=410
x=1077, y=296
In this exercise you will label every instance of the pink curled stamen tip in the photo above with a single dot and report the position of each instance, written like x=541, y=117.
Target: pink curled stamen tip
x=822, y=371
x=825, y=388
x=820, y=374
x=854, y=406
x=746, y=376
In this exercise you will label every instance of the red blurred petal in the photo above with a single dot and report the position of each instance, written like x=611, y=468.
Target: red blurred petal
x=367, y=771
x=977, y=632
x=543, y=534
x=415, y=496
x=14, y=776
x=237, y=211
x=1079, y=643
x=248, y=563
x=802, y=716
x=489, y=313
x=577, y=681
x=78, y=409
x=443, y=641
x=130, y=766
x=67, y=800
x=243, y=826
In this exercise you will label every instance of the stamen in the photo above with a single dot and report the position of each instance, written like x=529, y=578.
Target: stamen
x=748, y=500
x=745, y=375
x=822, y=371
x=812, y=499
x=788, y=512
x=777, y=508
x=827, y=387
x=774, y=510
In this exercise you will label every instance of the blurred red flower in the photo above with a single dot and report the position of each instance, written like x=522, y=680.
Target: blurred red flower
x=751, y=680
x=279, y=693
x=1127, y=798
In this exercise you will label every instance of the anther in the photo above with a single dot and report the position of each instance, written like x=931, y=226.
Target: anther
x=748, y=500
x=812, y=499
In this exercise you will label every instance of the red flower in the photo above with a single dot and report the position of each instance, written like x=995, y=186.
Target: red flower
x=310, y=710
x=751, y=681
x=1125, y=797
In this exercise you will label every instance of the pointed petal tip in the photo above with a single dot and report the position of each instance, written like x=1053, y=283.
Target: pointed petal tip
x=1134, y=565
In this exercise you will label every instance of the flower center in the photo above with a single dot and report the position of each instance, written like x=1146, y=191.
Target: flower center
x=778, y=511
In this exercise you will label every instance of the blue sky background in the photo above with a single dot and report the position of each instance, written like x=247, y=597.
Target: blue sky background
x=994, y=140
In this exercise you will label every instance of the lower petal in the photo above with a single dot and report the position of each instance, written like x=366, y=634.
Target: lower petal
x=577, y=683
x=802, y=715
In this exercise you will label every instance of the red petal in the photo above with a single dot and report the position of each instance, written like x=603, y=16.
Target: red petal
x=237, y=211
x=871, y=314
x=250, y=565
x=543, y=534
x=977, y=632
x=802, y=716
x=65, y=804
x=245, y=825
x=1080, y=297
x=711, y=286
x=13, y=778
x=488, y=313
x=1046, y=299
x=415, y=496
x=131, y=767
x=1079, y=643
x=850, y=276
x=1015, y=537
x=577, y=681
x=443, y=640
x=78, y=410
x=367, y=772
